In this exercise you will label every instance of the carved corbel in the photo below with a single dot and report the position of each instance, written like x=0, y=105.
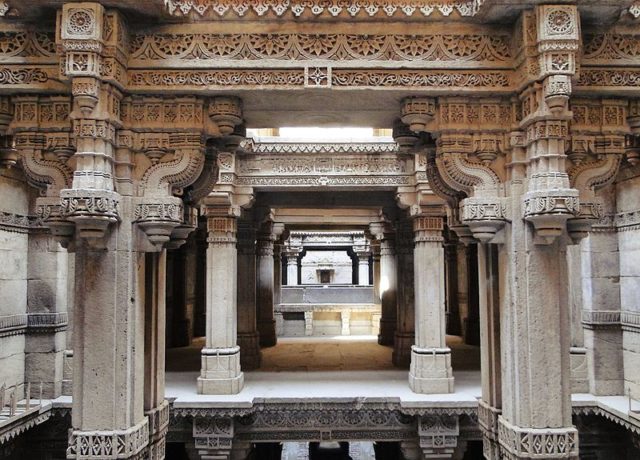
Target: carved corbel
x=159, y=214
x=632, y=141
x=483, y=210
x=418, y=112
x=226, y=113
x=189, y=223
x=438, y=435
x=404, y=136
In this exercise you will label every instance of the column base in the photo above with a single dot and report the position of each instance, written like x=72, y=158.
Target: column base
x=220, y=373
x=430, y=371
x=387, y=331
x=106, y=445
x=250, y=356
x=158, y=428
x=518, y=443
x=267, y=332
x=401, y=356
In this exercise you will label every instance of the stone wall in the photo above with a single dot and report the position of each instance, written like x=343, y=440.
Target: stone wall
x=337, y=262
x=628, y=223
x=14, y=244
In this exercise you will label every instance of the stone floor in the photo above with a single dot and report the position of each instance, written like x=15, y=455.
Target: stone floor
x=311, y=354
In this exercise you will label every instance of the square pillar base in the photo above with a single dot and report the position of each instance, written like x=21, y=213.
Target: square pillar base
x=430, y=371
x=220, y=373
x=518, y=443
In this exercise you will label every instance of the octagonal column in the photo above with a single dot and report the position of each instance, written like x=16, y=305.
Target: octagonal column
x=265, y=285
x=430, y=357
x=220, y=372
x=388, y=282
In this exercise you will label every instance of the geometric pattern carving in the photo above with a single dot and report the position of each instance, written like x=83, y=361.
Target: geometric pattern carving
x=329, y=8
x=108, y=444
x=334, y=47
x=542, y=443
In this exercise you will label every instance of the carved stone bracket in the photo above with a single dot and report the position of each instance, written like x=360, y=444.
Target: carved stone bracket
x=438, y=435
x=213, y=436
x=484, y=216
x=91, y=210
x=158, y=217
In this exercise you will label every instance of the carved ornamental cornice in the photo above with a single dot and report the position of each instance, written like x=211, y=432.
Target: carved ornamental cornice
x=332, y=8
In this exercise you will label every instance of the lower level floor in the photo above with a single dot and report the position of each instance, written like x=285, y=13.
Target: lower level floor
x=325, y=414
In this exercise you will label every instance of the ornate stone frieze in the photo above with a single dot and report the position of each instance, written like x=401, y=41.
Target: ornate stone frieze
x=604, y=78
x=27, y=44
x=344, y=78
x=46, y=322
x=13, y=324
x=542, y=443
x=108, y=444
x=436, y=48
x=18, y=223
x=610, y=48
x=319, y=149
x=213, y=434
x=184, y=113
x=331, y=8
x=24, y=77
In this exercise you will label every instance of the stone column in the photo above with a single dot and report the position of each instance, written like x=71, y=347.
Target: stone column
x=155, y=406
x=292, y=266
x=248, y=338
x=453, y=319
x=375, y=259
x=388, y=282
x=463, y=286
x=490, y=404
x=265, y=286
x=363, y=253
x=108, y=397
x=430, y=357
x=220, y=373
x=405, y=314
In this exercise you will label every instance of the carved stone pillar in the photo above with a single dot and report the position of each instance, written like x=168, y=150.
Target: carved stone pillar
x=292, y=266
x=220, y=373
x=277, y=268
x=155, y=406
x=489, y=406
x=248, y=338
x=405, y=313
x=388, y=282
x=375, y=260
x=363, y=252
x=462, y=278
x=430, y=357
x=265, y=286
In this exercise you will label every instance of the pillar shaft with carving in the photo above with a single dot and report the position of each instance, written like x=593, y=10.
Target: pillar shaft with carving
x=248, y=338
x=388, y=289
x=430, y=357
x=220, y=372
x=405, y=313
x=265, y=286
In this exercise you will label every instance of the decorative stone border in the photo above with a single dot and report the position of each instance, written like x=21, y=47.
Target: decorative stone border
x=33, y=323
x=18, y=223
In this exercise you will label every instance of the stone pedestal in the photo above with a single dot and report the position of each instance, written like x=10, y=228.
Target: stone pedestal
x=220, y=371
x=248, y=338
x=265, y=286
x=430, y=357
